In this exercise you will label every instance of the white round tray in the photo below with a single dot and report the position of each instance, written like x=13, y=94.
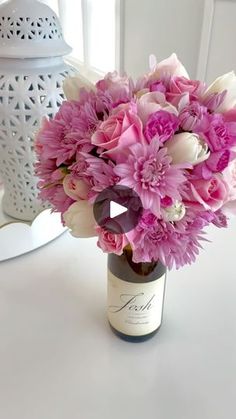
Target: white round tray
x=19, y=237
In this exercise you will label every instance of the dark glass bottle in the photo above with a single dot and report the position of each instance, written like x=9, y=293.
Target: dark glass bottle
x=135, y=297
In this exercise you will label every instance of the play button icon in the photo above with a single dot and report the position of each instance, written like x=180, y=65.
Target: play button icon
x=117, y=209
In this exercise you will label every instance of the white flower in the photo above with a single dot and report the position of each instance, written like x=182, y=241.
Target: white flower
x=72, y=86
x=152, y=102
x=80, y=220
x=75, y=188
x=187, y=148
x=225, y=82
x=175, y=212
x=171, y=66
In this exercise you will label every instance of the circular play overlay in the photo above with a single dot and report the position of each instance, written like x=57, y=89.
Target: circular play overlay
x=118, y=209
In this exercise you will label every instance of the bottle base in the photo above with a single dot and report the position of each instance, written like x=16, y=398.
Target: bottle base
x=134, y=339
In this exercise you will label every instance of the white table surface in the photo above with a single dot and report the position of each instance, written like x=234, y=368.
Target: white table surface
x=59, y=359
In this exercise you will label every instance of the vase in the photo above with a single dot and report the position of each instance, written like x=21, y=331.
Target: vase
x=32, y=72
x=135, y=297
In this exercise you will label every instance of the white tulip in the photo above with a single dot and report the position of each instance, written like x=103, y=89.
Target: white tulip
x=80, y=220
x=75, y=188
x=175, y=212
x=187, y=148
x=72, y=86
x=171, y=66
x=225, y=82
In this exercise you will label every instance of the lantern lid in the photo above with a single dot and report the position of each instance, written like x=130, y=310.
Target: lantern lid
x=30, y=29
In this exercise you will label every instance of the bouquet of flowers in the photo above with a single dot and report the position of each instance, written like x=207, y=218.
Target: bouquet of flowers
x=169, y=138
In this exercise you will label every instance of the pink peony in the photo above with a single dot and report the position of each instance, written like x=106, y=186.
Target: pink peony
x=207, y=194
x=161, y=125
x=149, y=172
x=119, y=132
x=110, y=242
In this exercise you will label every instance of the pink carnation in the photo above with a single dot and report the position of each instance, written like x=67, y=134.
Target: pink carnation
x=220, y=134
x=161, y=125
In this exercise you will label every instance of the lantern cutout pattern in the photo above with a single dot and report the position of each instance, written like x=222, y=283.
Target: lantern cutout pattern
x=32, y=71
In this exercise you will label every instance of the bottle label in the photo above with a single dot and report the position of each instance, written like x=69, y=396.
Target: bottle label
x=135, y=309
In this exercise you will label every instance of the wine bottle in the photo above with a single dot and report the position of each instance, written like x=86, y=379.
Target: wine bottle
x=135, y=296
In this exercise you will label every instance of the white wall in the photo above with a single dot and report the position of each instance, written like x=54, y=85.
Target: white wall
x=161, y=27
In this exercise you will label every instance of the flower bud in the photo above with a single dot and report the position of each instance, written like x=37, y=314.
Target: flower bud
x=187, y=148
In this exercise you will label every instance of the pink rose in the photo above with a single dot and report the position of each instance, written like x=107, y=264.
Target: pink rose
x=180, y=85
x=152, y=102
x=119, y=132
x=110, y=242
x=208, y=194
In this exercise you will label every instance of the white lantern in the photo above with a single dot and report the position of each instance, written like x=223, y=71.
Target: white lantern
x=32, y=71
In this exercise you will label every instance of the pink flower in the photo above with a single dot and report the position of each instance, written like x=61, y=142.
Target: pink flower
x=61, y=137
x=193, y=116
x=161, y=125
x=149, y=172
x=75, y=188
x=110, y=242
x=157, y=86
x=180, y=85
x=119, y=87
x=220, y=134
x=207, y=194
x=216, y=162
x=100, y=175
x=119, y=132
x=171, y=243
x=55, y=195
x=152, y=102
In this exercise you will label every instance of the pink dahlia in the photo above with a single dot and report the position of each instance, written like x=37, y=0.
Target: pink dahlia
x=148, y=170
x=99, y=174
x=171, y=243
